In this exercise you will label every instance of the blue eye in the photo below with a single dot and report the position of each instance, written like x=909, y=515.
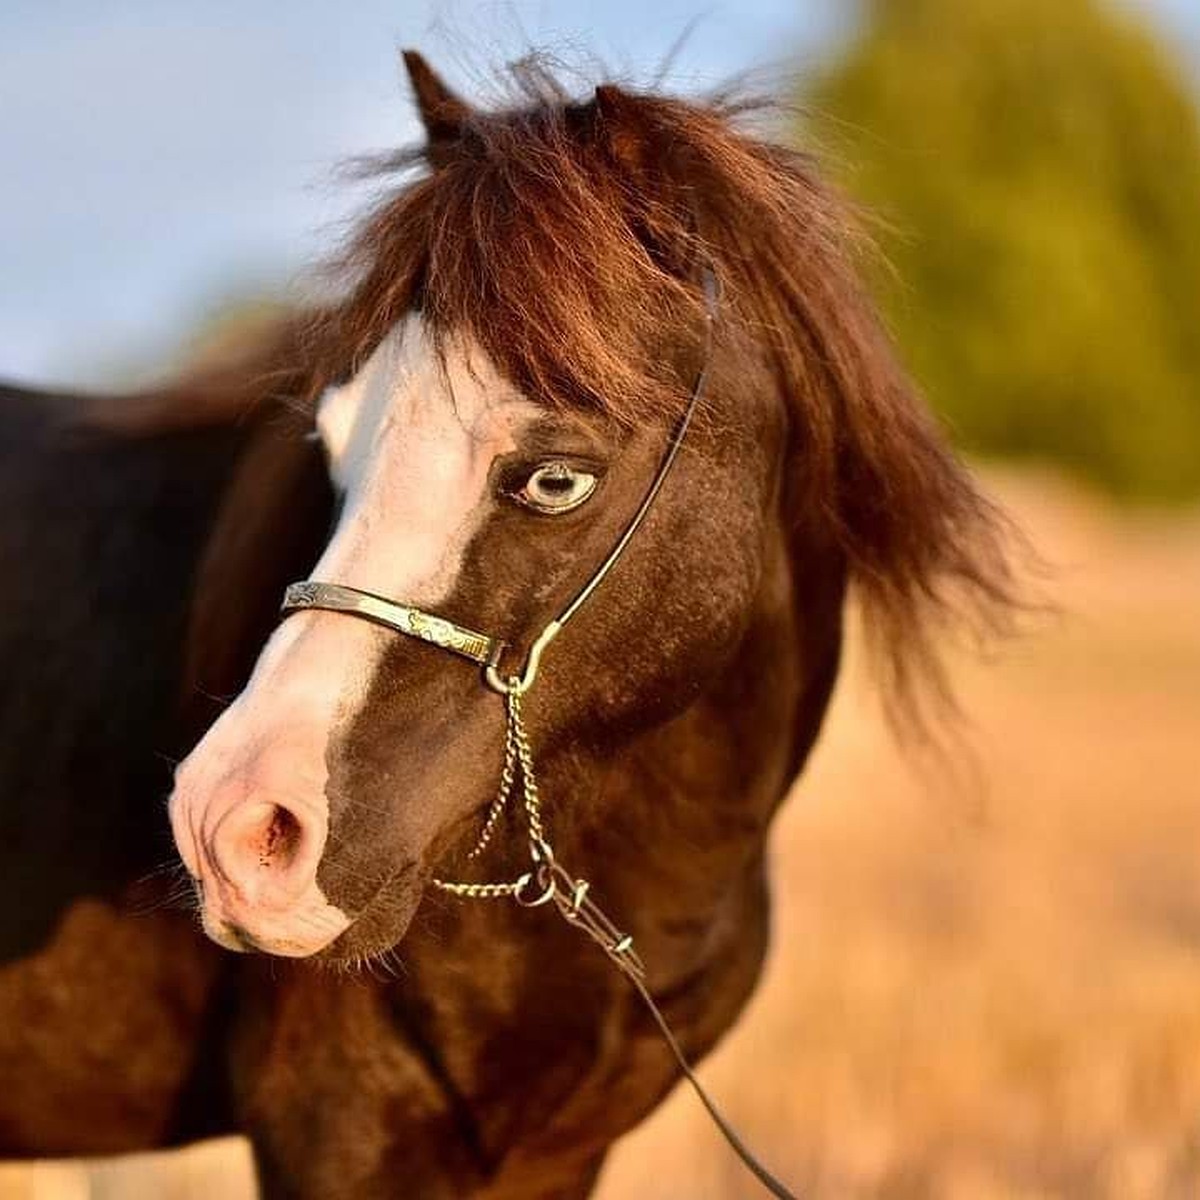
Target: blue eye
x=556, y=487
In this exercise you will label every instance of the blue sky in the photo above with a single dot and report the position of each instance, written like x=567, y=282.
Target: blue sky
x=159, y=152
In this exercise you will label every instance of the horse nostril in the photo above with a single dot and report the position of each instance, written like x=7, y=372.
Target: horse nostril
x=280, y=840
x=265, y=850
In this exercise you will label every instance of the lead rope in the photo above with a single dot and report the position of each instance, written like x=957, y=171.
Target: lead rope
x=548, y=880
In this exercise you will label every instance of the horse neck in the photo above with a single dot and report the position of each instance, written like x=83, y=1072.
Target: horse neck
x=674, y=831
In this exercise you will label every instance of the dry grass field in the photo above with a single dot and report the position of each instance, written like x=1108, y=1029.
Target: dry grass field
x=985, y=983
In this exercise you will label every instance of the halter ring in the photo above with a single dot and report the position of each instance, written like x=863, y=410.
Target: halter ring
x=549, y=886
x=519, y=684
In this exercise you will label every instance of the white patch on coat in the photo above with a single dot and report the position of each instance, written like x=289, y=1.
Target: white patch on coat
x=410, y=440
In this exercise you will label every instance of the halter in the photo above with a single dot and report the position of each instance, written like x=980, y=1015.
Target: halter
x=547, y=880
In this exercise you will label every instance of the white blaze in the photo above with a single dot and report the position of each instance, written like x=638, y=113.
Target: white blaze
x=410, y=440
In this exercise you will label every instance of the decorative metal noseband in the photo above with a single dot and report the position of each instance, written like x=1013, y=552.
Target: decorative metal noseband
x=335, y=597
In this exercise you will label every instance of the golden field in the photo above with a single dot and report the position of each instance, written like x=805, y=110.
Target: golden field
x=985, y=982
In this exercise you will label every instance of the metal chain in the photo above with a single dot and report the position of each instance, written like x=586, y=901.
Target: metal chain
x=533, y=801
x=548, y=880
x=500, y=803
x=518, y=758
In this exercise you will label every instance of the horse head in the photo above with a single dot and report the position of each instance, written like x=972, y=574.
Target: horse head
x=526, y=319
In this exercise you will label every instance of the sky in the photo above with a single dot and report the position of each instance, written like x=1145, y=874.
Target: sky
x=160, y=153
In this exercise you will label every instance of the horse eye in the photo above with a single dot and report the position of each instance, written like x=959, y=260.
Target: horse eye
x=556, y=487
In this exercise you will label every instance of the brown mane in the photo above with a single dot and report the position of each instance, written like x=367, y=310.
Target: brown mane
x=564, y=237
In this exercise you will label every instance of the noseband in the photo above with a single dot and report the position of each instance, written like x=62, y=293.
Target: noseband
x=547, y=880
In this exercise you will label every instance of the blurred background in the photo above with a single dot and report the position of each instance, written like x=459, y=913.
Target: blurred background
x=986, y=975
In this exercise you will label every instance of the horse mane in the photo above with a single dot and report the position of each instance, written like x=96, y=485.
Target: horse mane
x=564, y=235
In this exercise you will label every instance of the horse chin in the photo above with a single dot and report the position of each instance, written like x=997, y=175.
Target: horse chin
x=381, y=924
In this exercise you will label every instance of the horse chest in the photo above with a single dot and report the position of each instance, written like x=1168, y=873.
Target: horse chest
x=494, y=1066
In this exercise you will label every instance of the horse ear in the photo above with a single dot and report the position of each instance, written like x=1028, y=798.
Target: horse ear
x=610, y=100
x=443, y=112
x=656, y=162
x=617, y=114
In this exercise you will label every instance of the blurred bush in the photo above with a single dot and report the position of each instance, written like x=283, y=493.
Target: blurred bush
x=1036, y=165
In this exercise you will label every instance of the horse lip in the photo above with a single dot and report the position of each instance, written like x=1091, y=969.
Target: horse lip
x=227, y=935
x=232, y=936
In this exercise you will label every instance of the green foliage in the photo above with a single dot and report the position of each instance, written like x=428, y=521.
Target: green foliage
x=1036, y=164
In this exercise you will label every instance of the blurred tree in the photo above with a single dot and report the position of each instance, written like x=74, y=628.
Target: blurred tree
x=1036, y=165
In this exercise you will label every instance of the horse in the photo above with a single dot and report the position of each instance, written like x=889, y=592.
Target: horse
x=606, y=358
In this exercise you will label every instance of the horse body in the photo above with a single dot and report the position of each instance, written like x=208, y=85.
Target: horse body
x=481, y=1048
x=100, y=1014
x=127, y=1030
